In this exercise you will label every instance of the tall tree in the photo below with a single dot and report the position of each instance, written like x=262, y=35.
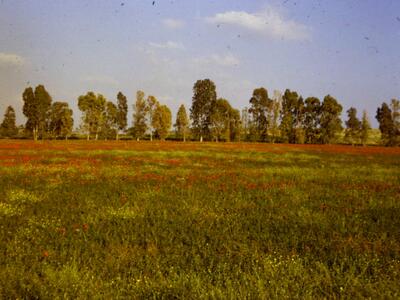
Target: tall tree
x=365, y=128
x=110, y=124
x=221, y=120
x=299, y=114
x=203, y=101
x=312, y=111
x=386, y=124
x=44, y=105
x=162, y=121
x=152, y=105
x=92, y=107
x=395, y=107
x=61, y=121
x=8, y=127
x=260, y=107
x=353, y=126
x=182, y=122
x=289, y=111
x=139, y=116
x=235, y=125
x=37, y=105
x=122, y=114
x=330, y=121
x=274, y=116
x=246, y=124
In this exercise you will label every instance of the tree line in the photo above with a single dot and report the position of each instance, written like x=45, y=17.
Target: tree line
x=284, y=118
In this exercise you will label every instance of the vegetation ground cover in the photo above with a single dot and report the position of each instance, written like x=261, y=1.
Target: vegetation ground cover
x=198, y=220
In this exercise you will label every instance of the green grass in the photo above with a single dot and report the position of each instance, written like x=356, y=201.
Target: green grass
x=200, y=221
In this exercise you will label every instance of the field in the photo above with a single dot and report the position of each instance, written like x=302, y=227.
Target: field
x=190, y=220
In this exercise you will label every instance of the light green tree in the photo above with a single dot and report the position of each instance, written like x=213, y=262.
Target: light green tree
x=93, y=108
x=162, y=121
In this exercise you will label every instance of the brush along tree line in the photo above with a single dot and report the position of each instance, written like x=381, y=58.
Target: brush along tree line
x=286, y=118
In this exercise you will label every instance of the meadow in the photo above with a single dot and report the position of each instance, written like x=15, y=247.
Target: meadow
x=168, y=220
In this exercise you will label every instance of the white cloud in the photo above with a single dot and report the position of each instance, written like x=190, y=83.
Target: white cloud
x=227, y=60
x=104, y=80
x=267, y=22
x=167, y=45
x=10, y=59
x=173, y=23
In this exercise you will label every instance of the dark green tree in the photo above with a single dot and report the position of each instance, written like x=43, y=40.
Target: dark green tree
x=122, y=113
x=182, y=123
x=203, y=101
x=386, y=125
x=312, y=111
x=260, y=108
x=289, y=118
x=353, y=126
x=37, y=105
x=61, y=121
x=395, y=107
x=140, y=116
x=330, y=122
x=8, y=127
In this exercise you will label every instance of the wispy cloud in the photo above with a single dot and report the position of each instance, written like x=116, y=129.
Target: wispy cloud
x=269, y=22
x=10, y=59
x=173, y=23
x=168, y=45
x=226, y=60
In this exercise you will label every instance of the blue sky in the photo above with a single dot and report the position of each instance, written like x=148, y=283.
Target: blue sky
x=349, y=49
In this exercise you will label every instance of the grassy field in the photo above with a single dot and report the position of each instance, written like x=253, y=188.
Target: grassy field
x=189, y=220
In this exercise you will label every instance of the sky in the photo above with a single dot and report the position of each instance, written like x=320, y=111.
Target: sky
x=346, y=48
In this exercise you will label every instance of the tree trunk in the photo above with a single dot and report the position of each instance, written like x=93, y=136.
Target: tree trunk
x=201, y=138
x=151, y=136
x=97, y=136
x=184, y=137
x=117, y=136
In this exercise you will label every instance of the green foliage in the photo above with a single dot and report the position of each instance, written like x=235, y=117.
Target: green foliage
x=8, y=127
x=330, y=122
x=365, y=128
x=386, y=124
x=291, y=114
x=152, y=107
x=222, y=120
x=162, y=121
x=182, y=123
x=122, y=114
x=93, y=109
x=353, y=126
x=61, y=121
x=312, y=114
x=140, y=116
x=203, y=101
x=37, y=106
x=110, y=124
x=260, y=109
